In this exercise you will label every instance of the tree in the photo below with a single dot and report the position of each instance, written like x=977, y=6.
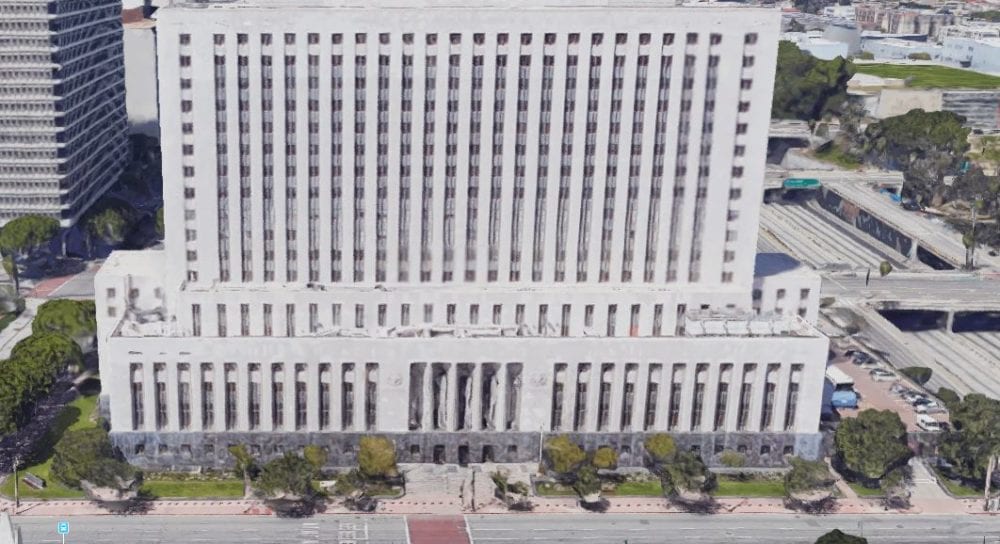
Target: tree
x=110, y=222
x=287, y=477
x=808, y=88
x=660, y=447
x=686, y=473
x=926, y=146
x=812, y=6
x=919, y=374
x=87, y=455
x=884, y=268
x=75, y=319
x=975, y=438
x=563, y=455
x=836, y=536
x=991, y=15
x=872, y=444
x=245, y=465
x=605, y=458
x=55, y=352
x=949, y=397
x=808, y=484
x=23, y=236
x=316, y=455
x=377, y=457
x=919, y=56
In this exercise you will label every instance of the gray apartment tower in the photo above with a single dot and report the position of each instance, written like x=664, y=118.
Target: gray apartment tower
x=63, y=126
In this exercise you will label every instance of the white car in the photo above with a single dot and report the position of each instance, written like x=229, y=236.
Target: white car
x=927, y=423
x=882, y=375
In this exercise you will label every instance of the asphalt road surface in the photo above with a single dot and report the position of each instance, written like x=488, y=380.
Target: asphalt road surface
x=526, y=528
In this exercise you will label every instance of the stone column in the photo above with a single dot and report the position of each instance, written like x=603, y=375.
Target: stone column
x=427, y=412
x=312, y=397
x=477, y=396
x=451, y=417
x=501, y=398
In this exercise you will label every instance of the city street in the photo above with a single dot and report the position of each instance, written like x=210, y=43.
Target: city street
x=534, y=528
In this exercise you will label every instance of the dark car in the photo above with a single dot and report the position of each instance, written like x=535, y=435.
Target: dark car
x=860, y=358
x=912, y=206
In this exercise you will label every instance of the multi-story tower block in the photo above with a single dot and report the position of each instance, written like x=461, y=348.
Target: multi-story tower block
x=63, y=128
x=460, y=226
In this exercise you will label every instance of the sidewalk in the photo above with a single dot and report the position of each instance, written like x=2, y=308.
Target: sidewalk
x=20, y=328
x=450, y=506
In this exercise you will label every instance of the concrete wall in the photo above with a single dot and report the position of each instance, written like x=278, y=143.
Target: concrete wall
x=865, y=222
x=183, y=451
x=140, y=79
x=893, y=102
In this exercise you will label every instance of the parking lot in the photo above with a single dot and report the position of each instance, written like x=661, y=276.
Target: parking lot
x=881, y=395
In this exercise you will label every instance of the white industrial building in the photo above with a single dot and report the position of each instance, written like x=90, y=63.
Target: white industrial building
x=463, y=227
x=63, y=138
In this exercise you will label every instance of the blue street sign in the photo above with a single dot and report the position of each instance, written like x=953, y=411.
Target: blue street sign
x=62, y=527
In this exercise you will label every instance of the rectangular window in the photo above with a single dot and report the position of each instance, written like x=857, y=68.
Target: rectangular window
x=268, y=320
x=612, y=317
x=359, y=316
x=404, y=315
x=582, y=377
x=277, y=396
x=301, y=402
x=221, y=311
x=207, y=397
x=196, y=320
x=564, y=326
x=604, y=398
x=588, y=315
x=792, y=404
x=289, y=320
x=347, y=398
x=245, y=319
x=138, y=413
x=313, y=317
x=255, y=395
x=324, y=397
x=335, y=315
x=628, y=397
x=160, y=380
x=184, y=397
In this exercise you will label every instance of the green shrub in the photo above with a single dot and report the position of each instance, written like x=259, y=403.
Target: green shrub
x=377, y=457
x=661, y=447
x=605, y=458
x=948, y=397
x=563, y=455
x=919, y=374
x=732, y=459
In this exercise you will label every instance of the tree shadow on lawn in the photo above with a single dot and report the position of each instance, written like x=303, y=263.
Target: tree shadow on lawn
x=44, y=448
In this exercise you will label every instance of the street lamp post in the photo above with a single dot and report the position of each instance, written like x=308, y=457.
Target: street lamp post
x=17, y=495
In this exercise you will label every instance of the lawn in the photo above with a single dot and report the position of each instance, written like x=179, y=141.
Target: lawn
x=834, y=155
x=645, y=488
x=76, y=415
x=231, y=488
x=956, y=488
x=757, y=487
x=7, y=319
x=930, y=76
x=864, y=492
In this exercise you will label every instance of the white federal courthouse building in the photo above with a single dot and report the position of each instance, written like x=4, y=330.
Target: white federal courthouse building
x=464, y=226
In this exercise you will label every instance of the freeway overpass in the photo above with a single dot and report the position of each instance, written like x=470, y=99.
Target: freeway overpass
x=775, y=175
x=938, y=291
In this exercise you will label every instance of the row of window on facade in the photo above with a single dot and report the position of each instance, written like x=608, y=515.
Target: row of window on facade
x=549, y=323
x=737, y=171
x=665, y=384
x=287, y=408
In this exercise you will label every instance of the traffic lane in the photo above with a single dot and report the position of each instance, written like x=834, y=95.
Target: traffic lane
x=338, y=529
x=769, y=528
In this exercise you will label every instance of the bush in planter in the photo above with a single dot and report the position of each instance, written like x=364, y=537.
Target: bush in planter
x=377, y=457
x=563, y=456
x=605, y=458
x=660, y=447
x=872, y=444
x=732, y=459
x=588, y=486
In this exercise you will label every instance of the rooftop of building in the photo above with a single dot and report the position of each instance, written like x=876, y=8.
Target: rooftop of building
x=774, y=264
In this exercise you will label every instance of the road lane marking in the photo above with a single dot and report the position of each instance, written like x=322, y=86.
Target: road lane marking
x=406, y=528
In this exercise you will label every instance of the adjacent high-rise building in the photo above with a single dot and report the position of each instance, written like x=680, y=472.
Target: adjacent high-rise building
x=63, y=132
x=463, y=226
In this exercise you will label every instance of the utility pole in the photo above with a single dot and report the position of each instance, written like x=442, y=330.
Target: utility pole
x=17, y=495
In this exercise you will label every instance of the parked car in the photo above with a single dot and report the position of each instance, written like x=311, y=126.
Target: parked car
x=927, y=423
x=898, y=389
x=882, y=375
x=860, y=357
x=931, y=407
x=911, y=206
x=911, y=395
